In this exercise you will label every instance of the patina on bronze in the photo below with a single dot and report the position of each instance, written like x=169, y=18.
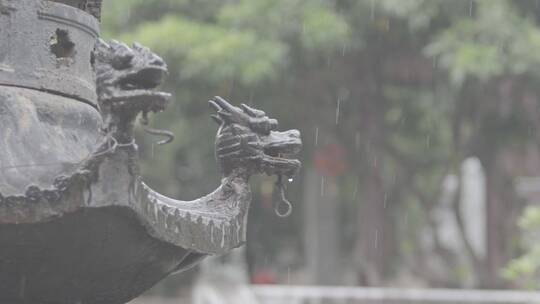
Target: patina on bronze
x=77, y=223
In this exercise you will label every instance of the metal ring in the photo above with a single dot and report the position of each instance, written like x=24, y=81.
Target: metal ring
x=282, y=199
x=287, y=213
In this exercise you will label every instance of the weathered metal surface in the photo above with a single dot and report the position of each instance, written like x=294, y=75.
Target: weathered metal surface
x=91, y=256
x=77, y=223
x=42, y=136
x=92, y=7
x=52, y=52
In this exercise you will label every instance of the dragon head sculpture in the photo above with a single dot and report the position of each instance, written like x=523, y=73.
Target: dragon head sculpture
x=127, y=80
x=247, y=140
x=128, y=77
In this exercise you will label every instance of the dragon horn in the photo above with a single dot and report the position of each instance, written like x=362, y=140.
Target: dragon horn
x=252, y=112
x=214, y=105
x=225, y=105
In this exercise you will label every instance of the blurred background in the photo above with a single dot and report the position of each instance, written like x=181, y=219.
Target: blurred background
x=420, y=122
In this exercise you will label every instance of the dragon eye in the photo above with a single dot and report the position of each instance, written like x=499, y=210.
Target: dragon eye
x=123, y=62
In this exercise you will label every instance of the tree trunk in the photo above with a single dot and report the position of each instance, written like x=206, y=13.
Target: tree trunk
x=502, y=207
x=321, y=229
x=375, y=229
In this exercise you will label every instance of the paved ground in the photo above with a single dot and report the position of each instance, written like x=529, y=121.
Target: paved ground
x=155, y=300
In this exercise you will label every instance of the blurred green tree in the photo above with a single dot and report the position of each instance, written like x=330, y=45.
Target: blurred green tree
x=525, y=270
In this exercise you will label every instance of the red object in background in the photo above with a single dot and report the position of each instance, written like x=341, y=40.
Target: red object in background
x=330, y=160
x=264, y=277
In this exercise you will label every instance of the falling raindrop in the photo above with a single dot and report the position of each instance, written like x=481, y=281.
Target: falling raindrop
x=22, y=287
x=337, y=110
x=355, y=193
x=357, y=141
x=322, y=185
x=316, y=136
x=470, y=7
x=428, y=141
x=376, y=238
x=385, y=202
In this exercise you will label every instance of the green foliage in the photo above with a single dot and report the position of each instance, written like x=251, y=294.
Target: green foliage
x=239, y=41
x=495, y=42
x=526, y=269
x=123, y=16
x=418, y=13
x=323, y=30
x=204, y=51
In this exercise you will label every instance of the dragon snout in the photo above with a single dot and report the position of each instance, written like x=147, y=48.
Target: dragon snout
x=293, y=133
x=285, y=143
